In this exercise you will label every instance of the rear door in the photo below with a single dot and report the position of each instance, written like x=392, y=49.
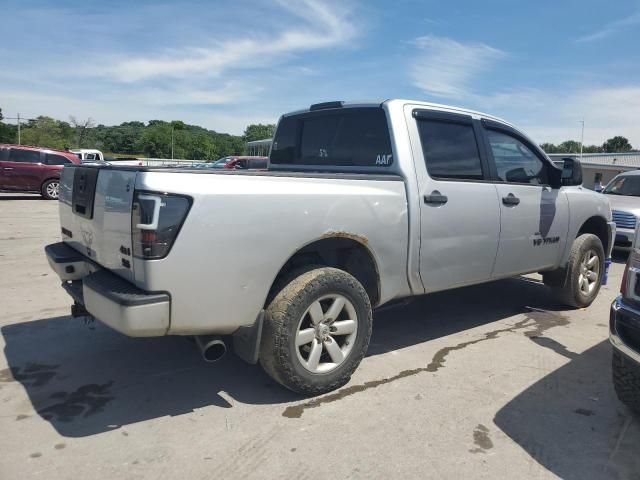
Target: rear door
x=23, y=169
x=460, y=215
x=534, y=217
x=95, y=215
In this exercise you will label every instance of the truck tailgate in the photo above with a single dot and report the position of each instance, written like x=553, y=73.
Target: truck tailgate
x=95, y=215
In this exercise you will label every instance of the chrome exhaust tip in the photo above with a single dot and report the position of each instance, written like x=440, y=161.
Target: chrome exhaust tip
x=212, y=348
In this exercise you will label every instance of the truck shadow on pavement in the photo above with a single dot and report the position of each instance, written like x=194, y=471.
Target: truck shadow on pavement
x=87, y=379
x=572, y=424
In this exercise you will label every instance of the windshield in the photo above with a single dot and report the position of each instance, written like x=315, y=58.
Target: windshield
x=625, y=185
x=222, y=161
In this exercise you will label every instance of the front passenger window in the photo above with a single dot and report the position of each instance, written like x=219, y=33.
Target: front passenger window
x=515, y=162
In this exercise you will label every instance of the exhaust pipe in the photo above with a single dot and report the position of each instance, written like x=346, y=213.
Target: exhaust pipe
x=212, y=347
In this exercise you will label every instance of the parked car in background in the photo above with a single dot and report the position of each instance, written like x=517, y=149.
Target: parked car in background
x=624, y=196
x=624, y=332
x=33, y=169
x=87, y=155
x=242, y=163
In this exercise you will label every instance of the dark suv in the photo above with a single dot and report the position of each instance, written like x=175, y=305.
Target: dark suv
x=33, y=169
x=625, y=332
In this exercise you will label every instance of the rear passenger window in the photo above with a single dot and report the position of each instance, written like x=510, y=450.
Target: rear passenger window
x=53, y=159
x=515, y=162
x=24, y=155
x=350, y=137
x=450, y=150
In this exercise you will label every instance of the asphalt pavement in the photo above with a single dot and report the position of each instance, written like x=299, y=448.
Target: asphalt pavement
x=491, y=381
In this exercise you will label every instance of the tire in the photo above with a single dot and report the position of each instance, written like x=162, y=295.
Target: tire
x=568, y=282
x=626, y=381
x=50, y=189
x=292, y=317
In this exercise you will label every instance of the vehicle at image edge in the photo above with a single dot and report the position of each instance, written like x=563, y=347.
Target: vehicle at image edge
x=363, y=204
x=241, y=163
x=33, y=169
x=88, y=155
x=623, y=192
x=624, y=332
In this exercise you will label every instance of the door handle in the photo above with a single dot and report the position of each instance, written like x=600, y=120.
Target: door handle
x=436, y=198
x=7, y=168
x=510, y=200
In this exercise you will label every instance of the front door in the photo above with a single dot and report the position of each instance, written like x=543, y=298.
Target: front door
x=460, y=215
x=534, y=217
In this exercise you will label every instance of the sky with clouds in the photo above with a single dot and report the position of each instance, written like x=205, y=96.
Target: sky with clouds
x=543, y=65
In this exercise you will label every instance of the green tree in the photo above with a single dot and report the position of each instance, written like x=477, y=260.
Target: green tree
x=47, y=132
x=156, y=139
x=8, y=132
x=258, y=132
x=549, y=147
x=617, y=144
x=569, y=146
x=592, y=149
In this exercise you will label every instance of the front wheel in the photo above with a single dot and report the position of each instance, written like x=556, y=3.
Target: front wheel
x=626, y=381
x=579, y=282
x=316, y=331
x=51, y=189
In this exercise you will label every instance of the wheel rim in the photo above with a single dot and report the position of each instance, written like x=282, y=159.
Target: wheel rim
x=326, y=333
x=589, y=272
x=53, y=189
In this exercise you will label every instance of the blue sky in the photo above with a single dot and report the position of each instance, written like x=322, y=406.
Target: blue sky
x=542, y=65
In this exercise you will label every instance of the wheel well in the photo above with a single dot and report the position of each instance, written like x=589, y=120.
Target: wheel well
x=598, y=227
x=47, y=179
x=338, y=252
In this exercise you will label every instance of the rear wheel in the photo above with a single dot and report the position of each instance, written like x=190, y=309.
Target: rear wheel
x=579, y=282
x=626, y=381
x=51, y=189
x=316, y=331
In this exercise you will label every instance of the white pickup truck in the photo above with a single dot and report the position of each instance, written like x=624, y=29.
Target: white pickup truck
x=363, y=204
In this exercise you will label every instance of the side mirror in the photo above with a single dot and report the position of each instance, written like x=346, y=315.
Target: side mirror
x=571, y=172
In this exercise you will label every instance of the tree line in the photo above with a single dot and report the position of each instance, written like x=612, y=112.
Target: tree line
x=153, y=139
x=615, y=144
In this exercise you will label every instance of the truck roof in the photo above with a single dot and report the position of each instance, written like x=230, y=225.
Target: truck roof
x=378, y=103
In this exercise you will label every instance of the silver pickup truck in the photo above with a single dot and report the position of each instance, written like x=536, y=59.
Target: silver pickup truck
x=363, y=204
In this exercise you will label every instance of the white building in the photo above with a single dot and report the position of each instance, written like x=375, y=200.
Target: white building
x=600, y=168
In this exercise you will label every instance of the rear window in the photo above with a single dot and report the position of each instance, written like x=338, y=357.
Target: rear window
x=350, y=137
x=23, y=155
x=53, y=159
x=450, y=150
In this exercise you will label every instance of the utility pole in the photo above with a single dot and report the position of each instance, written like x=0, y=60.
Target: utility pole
x=19, y=119
x=581, y=139
x=172, y=142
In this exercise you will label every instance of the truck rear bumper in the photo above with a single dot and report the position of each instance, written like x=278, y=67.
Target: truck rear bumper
x=109, y=298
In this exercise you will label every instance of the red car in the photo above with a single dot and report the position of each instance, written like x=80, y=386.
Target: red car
x=33, y=169
x=242, y=163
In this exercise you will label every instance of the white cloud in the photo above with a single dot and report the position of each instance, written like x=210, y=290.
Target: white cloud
x=189, y=95
x=445, y=67
x=611, y=28
x=319, y=25
x=555, y=117
x=109, y=110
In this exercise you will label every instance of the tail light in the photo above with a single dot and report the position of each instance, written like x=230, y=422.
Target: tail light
x=156, y=219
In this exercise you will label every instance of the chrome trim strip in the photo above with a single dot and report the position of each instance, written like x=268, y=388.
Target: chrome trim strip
x=615, y=340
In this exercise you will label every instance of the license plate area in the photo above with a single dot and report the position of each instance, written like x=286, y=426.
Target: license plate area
x=84, y=190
